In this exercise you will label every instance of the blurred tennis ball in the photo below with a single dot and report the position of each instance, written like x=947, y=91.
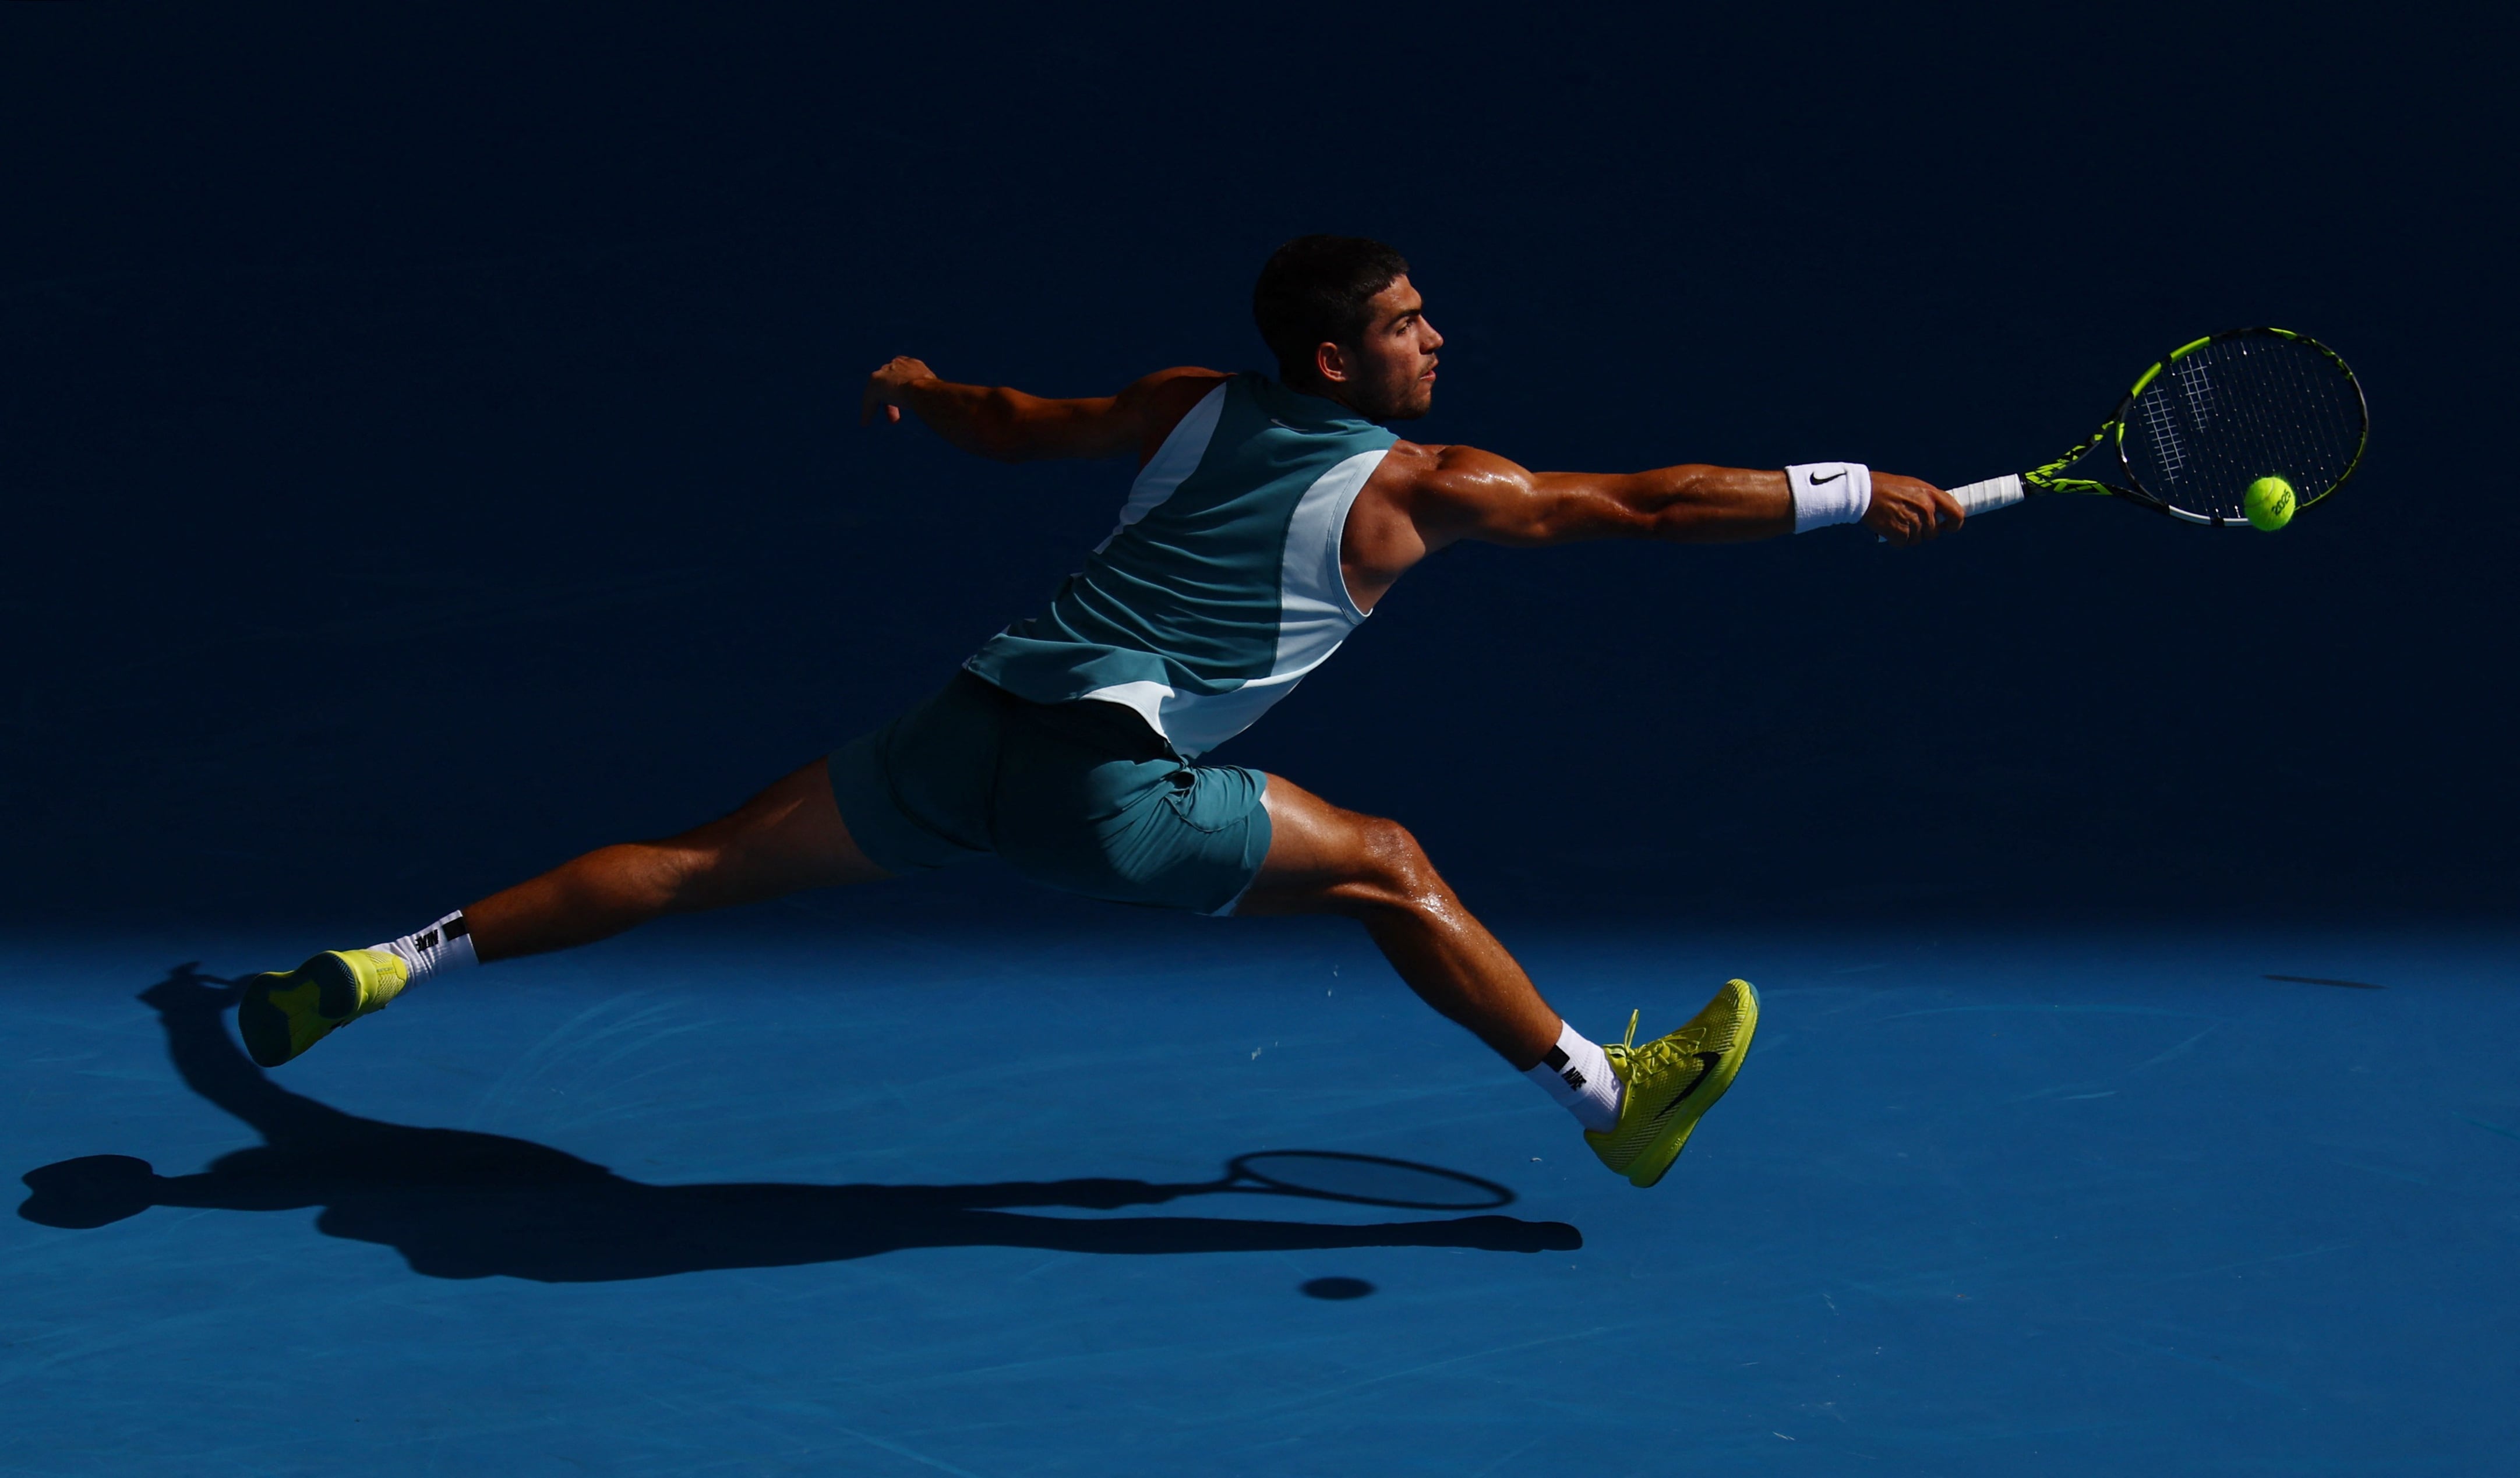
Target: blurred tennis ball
x=2269, y=503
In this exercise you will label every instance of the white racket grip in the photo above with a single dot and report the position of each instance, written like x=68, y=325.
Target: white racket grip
x=1988, y=496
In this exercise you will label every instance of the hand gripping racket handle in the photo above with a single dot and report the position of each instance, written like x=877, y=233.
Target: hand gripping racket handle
x=1988, y=496
x=1984, y=497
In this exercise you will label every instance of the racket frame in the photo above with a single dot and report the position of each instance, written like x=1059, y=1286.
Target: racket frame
x=2049, y=477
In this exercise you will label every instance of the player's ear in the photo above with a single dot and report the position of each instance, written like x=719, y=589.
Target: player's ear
x=1330, y=362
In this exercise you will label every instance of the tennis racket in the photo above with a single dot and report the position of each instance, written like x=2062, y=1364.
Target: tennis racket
x=2203, y=423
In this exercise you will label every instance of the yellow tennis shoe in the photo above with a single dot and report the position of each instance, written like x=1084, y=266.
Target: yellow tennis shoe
x=1672, y=1081
x=284, y=1013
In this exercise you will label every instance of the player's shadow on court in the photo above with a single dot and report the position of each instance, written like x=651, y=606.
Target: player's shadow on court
x=459, y=1204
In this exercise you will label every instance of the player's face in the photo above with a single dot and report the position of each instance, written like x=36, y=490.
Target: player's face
x=1391, y=372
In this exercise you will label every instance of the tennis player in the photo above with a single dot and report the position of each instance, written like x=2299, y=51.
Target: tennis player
x=1268, y=518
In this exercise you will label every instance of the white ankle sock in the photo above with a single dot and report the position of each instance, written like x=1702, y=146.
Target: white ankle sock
x=1577, y=1074
x=446, y=945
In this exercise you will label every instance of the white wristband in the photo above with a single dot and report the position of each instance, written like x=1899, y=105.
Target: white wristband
x=1829, y=492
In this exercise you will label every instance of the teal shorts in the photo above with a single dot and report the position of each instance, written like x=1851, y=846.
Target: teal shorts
x=1082, y=796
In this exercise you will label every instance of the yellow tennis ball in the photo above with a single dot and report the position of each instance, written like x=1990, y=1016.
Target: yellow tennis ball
x=2269, y=503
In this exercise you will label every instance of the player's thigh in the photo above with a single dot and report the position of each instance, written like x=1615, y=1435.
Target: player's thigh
x=1323, y=857
x=790, y=837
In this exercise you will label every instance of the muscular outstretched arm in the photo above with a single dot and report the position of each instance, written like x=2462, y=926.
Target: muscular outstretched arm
x=1464, y=493
x=1426, y=497
x=1011, y=425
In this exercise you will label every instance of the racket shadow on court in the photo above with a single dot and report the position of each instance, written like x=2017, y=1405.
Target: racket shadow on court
x=459, y=1204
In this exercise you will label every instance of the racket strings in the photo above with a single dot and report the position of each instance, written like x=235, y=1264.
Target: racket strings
x=2251, y=405
x=2340, y=434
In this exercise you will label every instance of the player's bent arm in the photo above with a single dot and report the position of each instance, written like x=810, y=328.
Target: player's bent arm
x=1009, y=426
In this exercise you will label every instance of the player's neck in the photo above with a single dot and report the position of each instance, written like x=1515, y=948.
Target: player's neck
x=1323, y=389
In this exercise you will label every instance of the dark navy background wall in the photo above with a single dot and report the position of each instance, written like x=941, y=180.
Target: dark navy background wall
x=428, y=443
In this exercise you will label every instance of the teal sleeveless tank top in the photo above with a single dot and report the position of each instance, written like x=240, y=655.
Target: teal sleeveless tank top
x=1220, y=589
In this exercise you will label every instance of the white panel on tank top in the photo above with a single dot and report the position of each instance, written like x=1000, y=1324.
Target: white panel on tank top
x=1173, y=462
x=1316, y=613
x=1144, y=698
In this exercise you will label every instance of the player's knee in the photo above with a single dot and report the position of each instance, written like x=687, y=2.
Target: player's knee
x=1389, y=868
x=709, y=865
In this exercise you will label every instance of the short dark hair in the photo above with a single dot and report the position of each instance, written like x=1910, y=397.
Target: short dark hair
x=1317, y=290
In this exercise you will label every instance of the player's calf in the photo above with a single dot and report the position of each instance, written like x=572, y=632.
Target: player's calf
x=790, y=837
x=1637, y=1105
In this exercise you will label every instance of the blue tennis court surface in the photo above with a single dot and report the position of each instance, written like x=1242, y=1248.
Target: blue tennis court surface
x=797, y=1194
x=428, y=440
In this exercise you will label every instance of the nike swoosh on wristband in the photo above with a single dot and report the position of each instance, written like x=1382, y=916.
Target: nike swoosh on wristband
x=1816, y=479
